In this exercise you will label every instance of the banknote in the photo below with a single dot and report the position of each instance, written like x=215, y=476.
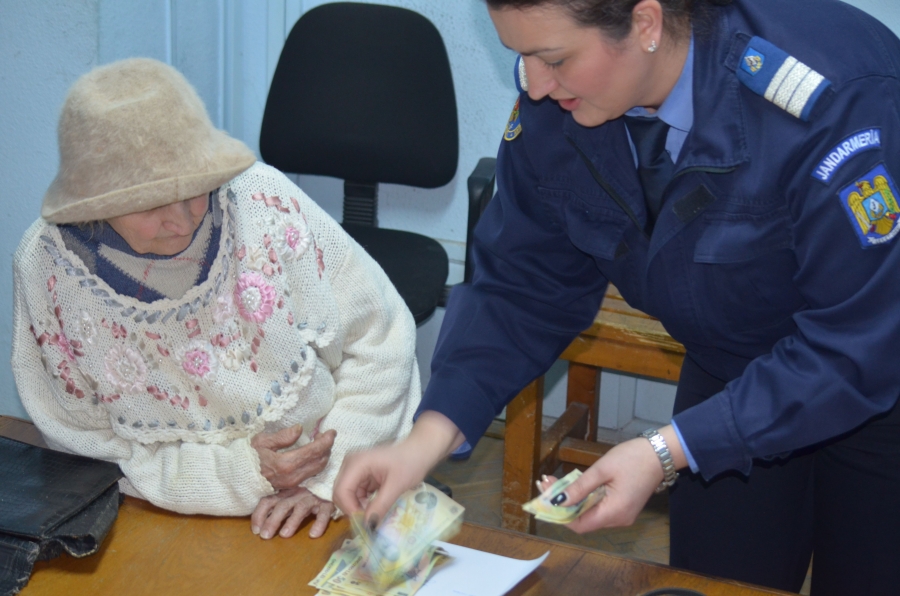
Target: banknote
x=542, y=508
x=402, y=542
x=344, y=574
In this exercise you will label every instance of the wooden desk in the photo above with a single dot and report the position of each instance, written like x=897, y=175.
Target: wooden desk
x=621, y=339
x=151, y=551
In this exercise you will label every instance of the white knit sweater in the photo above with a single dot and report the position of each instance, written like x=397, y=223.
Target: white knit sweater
x=295, y=324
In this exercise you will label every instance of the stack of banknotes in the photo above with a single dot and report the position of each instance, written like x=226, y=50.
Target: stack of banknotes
x=542, y=508
x=398, y=556
x=345, y=574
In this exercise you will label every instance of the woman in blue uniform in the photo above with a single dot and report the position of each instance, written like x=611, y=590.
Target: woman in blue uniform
x=731, y=168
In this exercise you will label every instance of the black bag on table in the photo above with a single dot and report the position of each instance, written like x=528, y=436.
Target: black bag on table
x=50, y=502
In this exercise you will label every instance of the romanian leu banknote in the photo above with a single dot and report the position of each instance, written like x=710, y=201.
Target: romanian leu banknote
x=402, y=542
x=544, y=510
x=344, y=574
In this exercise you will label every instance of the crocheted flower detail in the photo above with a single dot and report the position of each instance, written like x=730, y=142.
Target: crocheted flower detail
x=254, y=297
x=225, y=310
x=292, y=237
x=320, y=336
x=235, y=356
x=85, y=328
x=125, y=369
x=198, y=360
x=256, y=258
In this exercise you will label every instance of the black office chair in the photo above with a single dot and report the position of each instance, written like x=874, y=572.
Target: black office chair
x=364, y=93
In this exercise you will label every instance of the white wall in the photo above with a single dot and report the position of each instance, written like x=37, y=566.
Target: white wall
x=228, y=49
x=42, y=51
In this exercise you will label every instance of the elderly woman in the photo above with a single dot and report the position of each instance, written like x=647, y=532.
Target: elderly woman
x=194, y=317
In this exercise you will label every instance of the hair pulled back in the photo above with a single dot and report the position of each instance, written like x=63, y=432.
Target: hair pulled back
x=613, y=17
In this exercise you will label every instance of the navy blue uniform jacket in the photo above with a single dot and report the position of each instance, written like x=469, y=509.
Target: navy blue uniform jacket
x=764, y=271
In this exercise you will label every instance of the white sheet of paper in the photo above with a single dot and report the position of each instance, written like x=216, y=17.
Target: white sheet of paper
x=475, y=573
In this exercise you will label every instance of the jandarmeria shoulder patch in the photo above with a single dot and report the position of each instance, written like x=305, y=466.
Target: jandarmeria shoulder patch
x=864, y=140
x=871, y=204
x=514, y=126
x=782, y=79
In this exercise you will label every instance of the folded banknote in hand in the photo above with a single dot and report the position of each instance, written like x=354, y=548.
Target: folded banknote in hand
x=542, y=508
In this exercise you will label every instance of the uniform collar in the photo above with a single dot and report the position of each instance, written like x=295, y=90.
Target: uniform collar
x=717, y=139
x=678, y=109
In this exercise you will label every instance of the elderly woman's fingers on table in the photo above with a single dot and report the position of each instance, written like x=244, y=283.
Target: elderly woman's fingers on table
x=286, y=469
x=286, y=510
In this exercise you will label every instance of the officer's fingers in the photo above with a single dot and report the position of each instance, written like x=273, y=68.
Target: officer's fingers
x=576, y=492
x=608, y=513
x=354, y=477
x=365, y=491
x=386, y=496
x=545, y=482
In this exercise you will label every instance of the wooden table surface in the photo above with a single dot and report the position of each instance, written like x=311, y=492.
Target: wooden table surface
x=152, y=551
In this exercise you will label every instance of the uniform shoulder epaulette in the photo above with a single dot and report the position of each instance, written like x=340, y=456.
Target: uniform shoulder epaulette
x=782, y=79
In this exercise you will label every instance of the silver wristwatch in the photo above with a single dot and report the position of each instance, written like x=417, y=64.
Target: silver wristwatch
x=665, y=458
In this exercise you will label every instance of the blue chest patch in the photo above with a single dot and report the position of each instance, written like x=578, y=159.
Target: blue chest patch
x=871, y=204
x=865, y=140
x=772, y=73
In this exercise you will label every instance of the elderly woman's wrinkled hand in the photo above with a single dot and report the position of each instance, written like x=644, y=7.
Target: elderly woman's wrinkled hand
x=287, y=509
x=287, y=469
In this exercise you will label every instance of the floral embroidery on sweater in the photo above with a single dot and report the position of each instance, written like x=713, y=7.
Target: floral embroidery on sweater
x=150, y=362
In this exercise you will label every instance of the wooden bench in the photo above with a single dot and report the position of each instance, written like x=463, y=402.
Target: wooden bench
x=621, y=339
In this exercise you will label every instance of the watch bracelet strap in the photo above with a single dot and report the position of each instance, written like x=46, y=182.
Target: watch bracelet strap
x=665, y=458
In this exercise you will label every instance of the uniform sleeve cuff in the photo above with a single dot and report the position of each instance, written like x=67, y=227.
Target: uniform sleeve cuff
x=452, y=395
x=684, y=447
x=716, y=446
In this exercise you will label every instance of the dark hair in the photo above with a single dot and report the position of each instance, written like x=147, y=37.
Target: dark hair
x=613, y=17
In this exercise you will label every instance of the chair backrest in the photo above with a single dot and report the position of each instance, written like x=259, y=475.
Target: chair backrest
x=364, y=93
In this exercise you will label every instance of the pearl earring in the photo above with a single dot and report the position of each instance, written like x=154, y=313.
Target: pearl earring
x=653, y=47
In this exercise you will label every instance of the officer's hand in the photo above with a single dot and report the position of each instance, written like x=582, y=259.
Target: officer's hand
x=391, y=470
x=631, y=472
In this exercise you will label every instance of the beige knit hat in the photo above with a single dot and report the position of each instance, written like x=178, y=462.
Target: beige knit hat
x=133, y=136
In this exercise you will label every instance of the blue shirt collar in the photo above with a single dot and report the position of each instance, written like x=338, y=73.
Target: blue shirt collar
x=678, y=109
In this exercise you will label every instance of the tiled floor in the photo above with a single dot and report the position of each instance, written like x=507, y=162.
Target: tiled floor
x=476, y=485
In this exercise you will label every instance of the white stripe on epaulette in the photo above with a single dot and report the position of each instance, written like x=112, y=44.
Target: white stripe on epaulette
x=792, y=86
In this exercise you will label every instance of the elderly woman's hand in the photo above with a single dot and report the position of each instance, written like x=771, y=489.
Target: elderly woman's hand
x=287, y=509
x=287, y=469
